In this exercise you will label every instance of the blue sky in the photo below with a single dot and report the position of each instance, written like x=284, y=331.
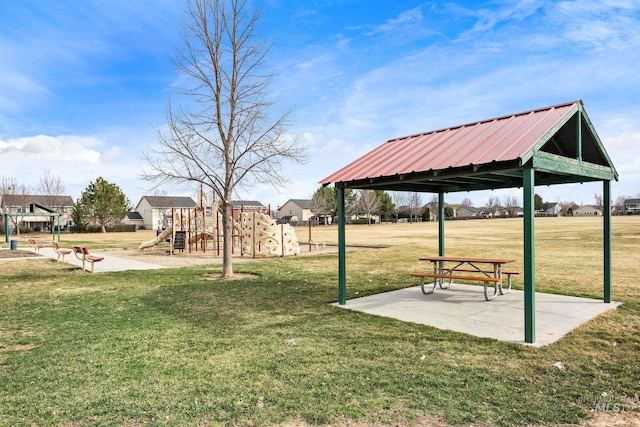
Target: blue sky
x=84, y=84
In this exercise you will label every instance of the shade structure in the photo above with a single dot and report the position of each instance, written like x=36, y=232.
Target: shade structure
x=545, y=146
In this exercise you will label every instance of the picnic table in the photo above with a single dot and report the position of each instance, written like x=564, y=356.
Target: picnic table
x=486, y=270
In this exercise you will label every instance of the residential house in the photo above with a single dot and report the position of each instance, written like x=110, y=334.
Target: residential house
x=632, y=206
x=296, y=211
x=494, y=212
x=240, y=206
x=433, y=210
x=134, y=218
x=587, y=210
x=23, y=203
x=468, y=212
x=553, y=209
x=156, y=211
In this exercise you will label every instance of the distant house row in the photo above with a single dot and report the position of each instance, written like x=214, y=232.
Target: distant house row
x=150, y=212
x=500, y=212
x=155, y=211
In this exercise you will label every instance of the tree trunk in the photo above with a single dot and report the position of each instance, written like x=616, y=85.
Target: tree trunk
x=227, y=225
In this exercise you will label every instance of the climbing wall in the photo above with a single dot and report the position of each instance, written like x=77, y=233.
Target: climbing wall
x=261, y=236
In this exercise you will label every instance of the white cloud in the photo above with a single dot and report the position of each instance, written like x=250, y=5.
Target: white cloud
x=66, y=148
x=405, y=18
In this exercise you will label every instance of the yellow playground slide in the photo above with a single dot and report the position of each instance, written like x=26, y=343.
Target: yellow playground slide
x=158, y=239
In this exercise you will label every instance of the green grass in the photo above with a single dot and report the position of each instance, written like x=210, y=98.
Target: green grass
x=170, y=347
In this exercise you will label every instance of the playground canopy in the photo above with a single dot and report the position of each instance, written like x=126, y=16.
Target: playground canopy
x=546, y=146
x=38, y=211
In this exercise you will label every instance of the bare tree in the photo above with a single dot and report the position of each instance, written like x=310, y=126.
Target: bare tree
x=598, y=199
x=493, y=202
x=53, y=187
x=466, y=203
x=568, y=206
x=222, y=135
x=15, y=196
x=511, y=204
x=8, y=185
x=619, y=204
x=400, y=199
x=415, y=203
x=50, y=185
x=323, y=203
x=368, y=203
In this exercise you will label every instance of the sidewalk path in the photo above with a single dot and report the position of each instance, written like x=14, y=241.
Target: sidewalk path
x=109, y=263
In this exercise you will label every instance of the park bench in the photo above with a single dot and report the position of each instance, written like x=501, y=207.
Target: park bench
x=82, y=253
x=317, y=245
x=35, y=245
x=60, y=252
x=504, y=273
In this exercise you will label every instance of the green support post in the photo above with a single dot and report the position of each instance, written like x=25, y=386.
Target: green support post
x=529, y=257
x=342, y=258
x=579, y=135
x=607, y=239
x=441, y=224
x=6, y=228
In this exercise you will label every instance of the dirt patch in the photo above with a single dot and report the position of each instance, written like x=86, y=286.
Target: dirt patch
x=236, y=276
x=6, y=254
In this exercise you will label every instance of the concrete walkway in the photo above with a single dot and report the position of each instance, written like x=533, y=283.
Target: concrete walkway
x=462, y=308
x=110, y=263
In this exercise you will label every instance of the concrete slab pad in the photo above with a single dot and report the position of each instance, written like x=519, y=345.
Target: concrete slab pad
x=462, y=308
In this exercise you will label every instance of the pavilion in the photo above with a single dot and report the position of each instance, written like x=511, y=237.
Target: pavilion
x=546, y=146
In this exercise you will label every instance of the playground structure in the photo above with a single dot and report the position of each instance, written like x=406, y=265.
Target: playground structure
x=199, y=229
x=262, y=236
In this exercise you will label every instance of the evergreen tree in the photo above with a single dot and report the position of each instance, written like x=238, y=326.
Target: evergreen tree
x=104, y=203
x=79, y=218
x=386, y=207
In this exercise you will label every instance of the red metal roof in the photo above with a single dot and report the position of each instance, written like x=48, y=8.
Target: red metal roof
x=494, y=140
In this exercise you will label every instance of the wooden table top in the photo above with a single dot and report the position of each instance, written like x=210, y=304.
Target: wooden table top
x=494, y=261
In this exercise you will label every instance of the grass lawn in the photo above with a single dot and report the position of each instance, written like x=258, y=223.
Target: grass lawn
x=174, y=347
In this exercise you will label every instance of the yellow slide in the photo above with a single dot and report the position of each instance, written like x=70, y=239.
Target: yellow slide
x=158, y=239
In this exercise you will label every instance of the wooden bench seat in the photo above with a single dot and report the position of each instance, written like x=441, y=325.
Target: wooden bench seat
x=35, y=245
x=60, y=252
x=470, y=270
x=503, y=290
x=451, y=276
x=82, y=253
x=497, y=281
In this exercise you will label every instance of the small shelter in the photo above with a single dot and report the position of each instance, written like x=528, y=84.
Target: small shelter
x=42, y=213
x=547, y=146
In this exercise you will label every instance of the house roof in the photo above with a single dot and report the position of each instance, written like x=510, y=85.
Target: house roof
x=469, y=208
x=169, y=201
x=20, y=200
x=487, y=154
x=134, y=215
x=631, y=201
x=247, y=204
x=302, y=203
